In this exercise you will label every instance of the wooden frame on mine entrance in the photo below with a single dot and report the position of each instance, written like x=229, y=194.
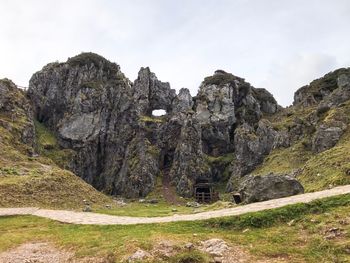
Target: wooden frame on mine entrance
x=204, y=193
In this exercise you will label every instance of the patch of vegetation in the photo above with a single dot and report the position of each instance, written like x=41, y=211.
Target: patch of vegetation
x=89, y=58
x=272, y=217
x=96, y=85
x=329, y=168
x=284, y=160
x=220, y=160
x=324, y=85
x=220, y=78
x=152, y=119
x=47, y=146
x=86, y=58
x=264, y=95
x=264, y=235
x=36, y=181
x=153, y=150
x=221, y=163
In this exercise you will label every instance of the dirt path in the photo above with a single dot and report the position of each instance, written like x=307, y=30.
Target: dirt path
x=168, y=190
x=101, y=219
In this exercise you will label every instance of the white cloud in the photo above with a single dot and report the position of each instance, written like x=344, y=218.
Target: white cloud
x=278, y=44
x=284, y=78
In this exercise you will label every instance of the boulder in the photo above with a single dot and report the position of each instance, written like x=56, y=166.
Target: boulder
x=271, y=186
x=326, y=137
x=215, y=247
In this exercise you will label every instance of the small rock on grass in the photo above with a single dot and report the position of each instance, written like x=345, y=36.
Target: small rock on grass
x=139, y=255
x=215, y=247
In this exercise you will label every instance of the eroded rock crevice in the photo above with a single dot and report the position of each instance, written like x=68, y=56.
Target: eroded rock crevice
x=221, y=134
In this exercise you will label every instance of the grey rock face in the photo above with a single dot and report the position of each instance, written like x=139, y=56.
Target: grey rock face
x=86, y=102
x=183, y=101
x=188, y=164
x=271, y=186
x=139, y=170
x=121, y=148
x=326, y=137
x=251, y=146
x=225, y=102
x=322, y=88
x=16, y=107
x=152, y=94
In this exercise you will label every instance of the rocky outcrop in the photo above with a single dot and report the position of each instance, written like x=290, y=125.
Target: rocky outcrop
x=329, y=88
x=225, y=102
x=327, y=137
x=151, y=94
x=327, y=93
x=139, y=170
x=251, y=146
x=86, y=102
x=18, y=114
x=121, y=148
x=189, y=164
x=266, y=187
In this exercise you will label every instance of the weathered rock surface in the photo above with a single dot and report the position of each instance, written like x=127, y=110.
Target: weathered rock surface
x=329, y=88
x=261, y=188
x=215, y=247
x=326, y=137
x=139, y=255
x=121, y=148
x=14, y=106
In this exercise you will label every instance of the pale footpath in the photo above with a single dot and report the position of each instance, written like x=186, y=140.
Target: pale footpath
x=88, y=218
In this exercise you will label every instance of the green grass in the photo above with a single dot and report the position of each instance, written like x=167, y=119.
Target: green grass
x=317, y=171
x=267, y=234
x=160, y=209
x=37, y=181
x=327, y=169
x=152, y=119
x=146, y=210
x=47, y=146
x=284, y=160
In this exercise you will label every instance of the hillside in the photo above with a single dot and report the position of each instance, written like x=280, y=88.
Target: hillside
x=84, y=117
x=317, y=134
x=29, y=179
x=84, y=133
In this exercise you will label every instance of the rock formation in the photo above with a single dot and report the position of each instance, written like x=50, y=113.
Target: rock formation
x=271, y=186
x=15, y=106
x=223, y=133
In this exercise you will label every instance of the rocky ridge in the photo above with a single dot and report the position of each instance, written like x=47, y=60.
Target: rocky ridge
x=120, y=147
x=222, y=134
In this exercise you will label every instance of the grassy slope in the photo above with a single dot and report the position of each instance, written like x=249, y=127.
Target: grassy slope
x=28, y=181
x=269, y=236
x=318, y=171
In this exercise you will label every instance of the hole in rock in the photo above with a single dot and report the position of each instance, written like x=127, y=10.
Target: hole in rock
x=158, y=112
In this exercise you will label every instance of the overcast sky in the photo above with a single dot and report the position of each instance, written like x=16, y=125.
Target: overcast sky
x=279, y=45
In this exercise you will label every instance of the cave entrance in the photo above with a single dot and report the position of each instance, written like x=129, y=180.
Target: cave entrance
x=158, y=112
x=168, y=160
x=204, y=192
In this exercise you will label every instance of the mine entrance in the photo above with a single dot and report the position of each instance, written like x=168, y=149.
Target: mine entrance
x=204, y=192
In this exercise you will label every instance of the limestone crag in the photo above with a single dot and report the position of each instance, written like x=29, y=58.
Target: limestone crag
x=15, y=106
x=221, y=134
x=270, y=186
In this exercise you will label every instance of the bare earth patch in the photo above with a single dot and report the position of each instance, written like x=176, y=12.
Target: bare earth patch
x=35, y=252
x=41, y=252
